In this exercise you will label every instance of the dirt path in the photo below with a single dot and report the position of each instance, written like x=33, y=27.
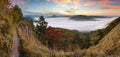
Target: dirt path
x=15, y=45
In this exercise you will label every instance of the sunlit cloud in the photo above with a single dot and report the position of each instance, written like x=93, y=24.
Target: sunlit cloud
x=110, y=13
x=89, y=3
x=104, y=2
x=76, y=2
x=72, y=11
x=70, y=7
x=104, y=12
x=64, y=3
x=112, y=7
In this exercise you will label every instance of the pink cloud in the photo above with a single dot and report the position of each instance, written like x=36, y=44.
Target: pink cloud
x=104, y=2
x=89, y=3
x=65, y=2
x=112, y=7
x=76, y=2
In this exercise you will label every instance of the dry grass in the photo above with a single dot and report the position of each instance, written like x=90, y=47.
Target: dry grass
x=110, y=44
x=30, y=43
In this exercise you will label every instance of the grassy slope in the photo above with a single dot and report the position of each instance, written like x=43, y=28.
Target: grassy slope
x=109, y=45
x=30, y=46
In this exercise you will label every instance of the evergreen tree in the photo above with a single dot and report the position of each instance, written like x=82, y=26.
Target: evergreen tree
x=41, y=27
x=17, y=14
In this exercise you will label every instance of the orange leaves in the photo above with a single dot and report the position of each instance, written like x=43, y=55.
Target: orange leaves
x=54, y=33
x=58, y=34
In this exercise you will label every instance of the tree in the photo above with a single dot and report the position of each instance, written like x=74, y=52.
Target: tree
x=41, y=26
x=17, y=14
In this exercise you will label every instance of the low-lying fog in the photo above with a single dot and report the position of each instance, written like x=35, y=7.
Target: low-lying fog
x=82, y=26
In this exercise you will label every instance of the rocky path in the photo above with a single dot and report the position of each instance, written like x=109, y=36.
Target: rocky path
x=15, y=45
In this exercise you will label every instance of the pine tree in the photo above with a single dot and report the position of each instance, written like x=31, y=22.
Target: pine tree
x=42, y=25
x=17, y=14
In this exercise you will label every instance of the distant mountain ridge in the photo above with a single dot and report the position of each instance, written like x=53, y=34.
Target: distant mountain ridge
x=84, y=17
x=74, y=17
x=55, y=16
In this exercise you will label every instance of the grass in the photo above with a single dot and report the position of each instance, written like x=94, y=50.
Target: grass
x=110, y=45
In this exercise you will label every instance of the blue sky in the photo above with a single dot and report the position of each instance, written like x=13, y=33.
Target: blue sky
x=70, y=7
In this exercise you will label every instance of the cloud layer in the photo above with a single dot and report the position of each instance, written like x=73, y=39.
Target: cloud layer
x=112, y=7
x=64, y=3
x=82, y=26
x=86, y=2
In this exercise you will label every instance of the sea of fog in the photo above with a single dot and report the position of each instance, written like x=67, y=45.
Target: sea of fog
x=82, y=26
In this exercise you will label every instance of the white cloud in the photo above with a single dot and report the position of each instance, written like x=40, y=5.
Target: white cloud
x=78, y=25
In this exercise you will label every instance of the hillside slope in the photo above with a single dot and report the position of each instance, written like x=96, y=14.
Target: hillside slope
x=29, y=45
x=109, y=46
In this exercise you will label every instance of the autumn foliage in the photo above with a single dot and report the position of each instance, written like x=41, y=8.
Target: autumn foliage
x=57, y=34
x=54, y=37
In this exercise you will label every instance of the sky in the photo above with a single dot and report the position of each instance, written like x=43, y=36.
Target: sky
x=69, y=7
